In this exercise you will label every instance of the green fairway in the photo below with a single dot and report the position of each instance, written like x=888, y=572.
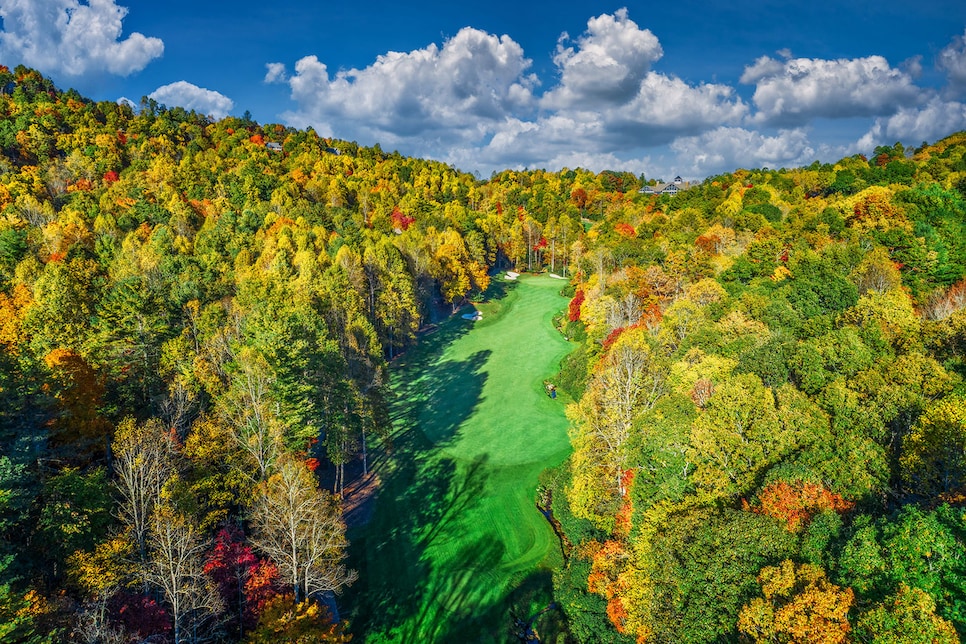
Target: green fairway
x=455, y=544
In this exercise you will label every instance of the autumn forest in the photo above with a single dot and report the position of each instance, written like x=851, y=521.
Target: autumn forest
x=199, y=322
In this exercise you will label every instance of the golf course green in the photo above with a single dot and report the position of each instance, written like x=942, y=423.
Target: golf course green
x=455, y=548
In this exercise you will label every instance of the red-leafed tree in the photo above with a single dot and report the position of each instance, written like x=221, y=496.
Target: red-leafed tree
x=400, y=220
x=246, y=582
x=574, y=309
x=140, y=615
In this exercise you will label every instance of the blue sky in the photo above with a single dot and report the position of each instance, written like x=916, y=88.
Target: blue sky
x=691, y=88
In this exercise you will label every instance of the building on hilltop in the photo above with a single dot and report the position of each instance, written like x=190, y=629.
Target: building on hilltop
x=671, y=189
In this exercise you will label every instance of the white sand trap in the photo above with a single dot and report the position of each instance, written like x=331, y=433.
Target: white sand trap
x=557, y=277
x=476, y=317
x=511, y=275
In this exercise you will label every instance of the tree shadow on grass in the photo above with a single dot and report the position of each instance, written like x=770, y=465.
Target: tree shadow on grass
x=498, y=288
x=527, y=602
x=452, y=591
x=402, y=589
x=423, y=494
x=413, y=588
x=416, y=583
x=437, y=397
x=462, y=599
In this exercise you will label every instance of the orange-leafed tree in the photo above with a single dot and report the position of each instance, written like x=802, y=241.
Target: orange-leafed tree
x=796, y=503
x=625, y=229
x=608, y=561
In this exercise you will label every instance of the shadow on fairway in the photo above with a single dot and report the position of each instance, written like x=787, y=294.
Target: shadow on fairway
x=528, y=604
x=433, y=566
x=421, y=501
x=459, y=601
x=438, y=397
x=423, y=494
x=498, y=288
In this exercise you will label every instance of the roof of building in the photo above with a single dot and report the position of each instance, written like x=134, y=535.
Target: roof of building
x=667, y=188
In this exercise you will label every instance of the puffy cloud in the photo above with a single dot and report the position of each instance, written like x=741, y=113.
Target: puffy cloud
x=520, y=143
x=275, y=73
x=471, y=101
x=607, y=65
x=936, y=119
x=913, y=66
x=666, y=107
x=70, y=38
x=952, y=60
x=596, y=162
x=727, y=148
x=762, y=68
x=798, y=90
x=192, y=97
x=612, y=102
x=552, y=143
x=454, y=93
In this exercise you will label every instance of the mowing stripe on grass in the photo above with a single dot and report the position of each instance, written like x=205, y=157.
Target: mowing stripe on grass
x=455, y=544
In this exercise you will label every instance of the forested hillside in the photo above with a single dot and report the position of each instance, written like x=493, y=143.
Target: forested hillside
x=769, y=440
x=197, y=319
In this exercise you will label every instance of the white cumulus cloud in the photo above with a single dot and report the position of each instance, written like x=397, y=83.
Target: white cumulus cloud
x=73, y=38
x=454, y=93
x=726, y=148
x=275, y=73
x=191, y=97
x=607, y=64
x=798, y=90
x=762, y=68
x=473, y=101
x=534, y=143
x=913, y=125
x=952, y=60
x=666, y=107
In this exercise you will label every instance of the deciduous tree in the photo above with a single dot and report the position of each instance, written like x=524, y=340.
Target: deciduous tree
x=143, y=461
x=906, y=617
x=176, y=566
x=800, y=606
x=933, y=457
x=300, y=528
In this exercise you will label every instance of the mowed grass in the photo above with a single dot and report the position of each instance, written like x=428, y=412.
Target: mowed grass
x=456, y=547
